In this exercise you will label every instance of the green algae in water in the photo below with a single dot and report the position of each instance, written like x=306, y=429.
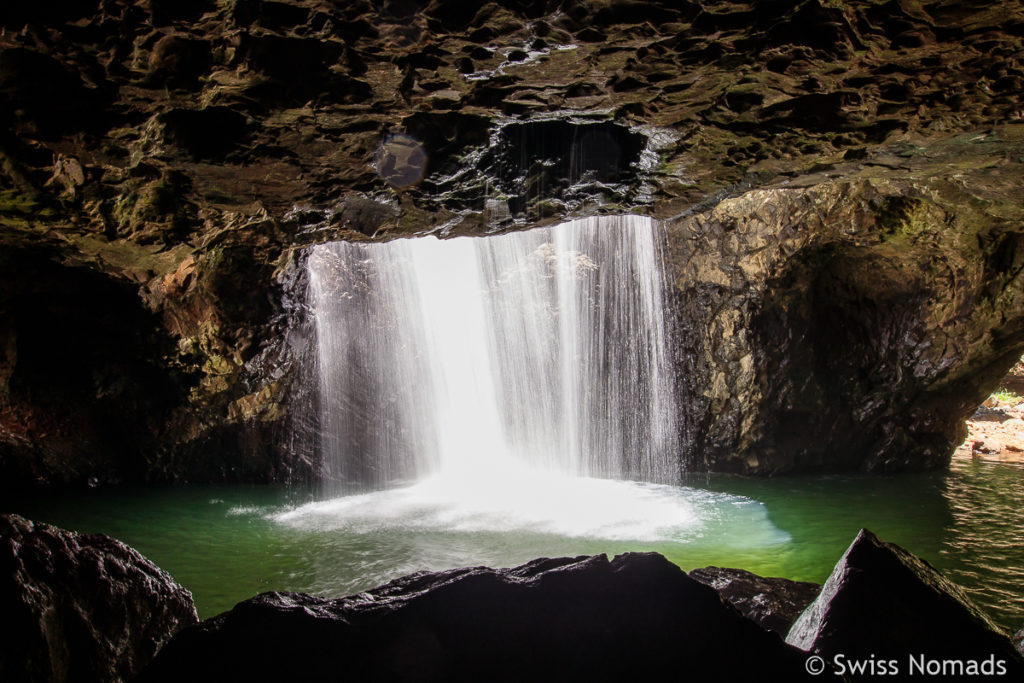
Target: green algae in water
x=226, y=544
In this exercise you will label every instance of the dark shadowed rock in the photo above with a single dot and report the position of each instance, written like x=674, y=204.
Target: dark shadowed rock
x=884, y=602
x=80, y=607
x=179, y=61
x=79, y=344
x=636, y=617
x=774, y=603
x=51, y=96
x=204, y=133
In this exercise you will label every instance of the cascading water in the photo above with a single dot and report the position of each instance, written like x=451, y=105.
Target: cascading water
x=489, y=400
x=470, y=359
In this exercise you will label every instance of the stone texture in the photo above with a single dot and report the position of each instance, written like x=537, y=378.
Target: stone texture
x=881, y=601
x=850, y=320
x=773, y=603
x=182, y=154
x=587, y=618
x=81, y=607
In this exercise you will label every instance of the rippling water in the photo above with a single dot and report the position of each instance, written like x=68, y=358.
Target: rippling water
x=228, y=543
x=983, y=543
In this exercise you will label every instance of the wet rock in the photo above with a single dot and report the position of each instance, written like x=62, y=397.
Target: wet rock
x=584, y=618
x=535, y=161
x=773, y=603
x=81, y=607
x=882, y=602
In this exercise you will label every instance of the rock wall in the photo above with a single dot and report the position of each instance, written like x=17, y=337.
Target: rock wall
x=851, y=319
x=839, y=180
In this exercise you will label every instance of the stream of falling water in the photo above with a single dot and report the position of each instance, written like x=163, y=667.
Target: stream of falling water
x=520, y=381
x=465, y=357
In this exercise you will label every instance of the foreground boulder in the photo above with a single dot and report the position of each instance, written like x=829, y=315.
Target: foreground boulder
x=774, y=603
x=636, y=617
x=81, y=607
x=884, y=611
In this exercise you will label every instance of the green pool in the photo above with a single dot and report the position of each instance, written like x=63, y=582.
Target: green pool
x=228, y=543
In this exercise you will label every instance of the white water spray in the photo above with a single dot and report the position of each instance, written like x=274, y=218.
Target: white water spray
x=475, y=360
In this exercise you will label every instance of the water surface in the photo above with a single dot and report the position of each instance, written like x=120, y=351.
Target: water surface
x=226, y=544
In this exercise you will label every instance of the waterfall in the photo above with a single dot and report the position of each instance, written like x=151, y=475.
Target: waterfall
x=541, y=351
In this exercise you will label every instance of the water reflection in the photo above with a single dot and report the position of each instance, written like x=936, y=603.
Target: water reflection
x=982, y=546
